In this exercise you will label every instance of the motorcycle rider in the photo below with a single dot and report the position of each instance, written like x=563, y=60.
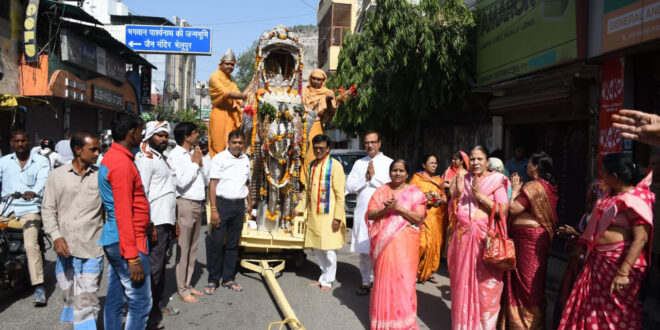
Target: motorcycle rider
x=26, y=173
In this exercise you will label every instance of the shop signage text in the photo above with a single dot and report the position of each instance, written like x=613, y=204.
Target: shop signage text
x=611, y=101
x=522, y=36
x=80, y=52
x=169, y=39
x=30, y=31
x=107, y=97
x=626, y=23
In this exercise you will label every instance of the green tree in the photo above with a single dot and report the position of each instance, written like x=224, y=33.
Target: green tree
x=245, y=66
x=410, y=63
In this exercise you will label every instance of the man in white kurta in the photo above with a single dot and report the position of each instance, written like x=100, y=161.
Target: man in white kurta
x=367, y=175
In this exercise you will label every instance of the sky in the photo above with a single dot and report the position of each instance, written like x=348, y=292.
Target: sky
x=236, y=24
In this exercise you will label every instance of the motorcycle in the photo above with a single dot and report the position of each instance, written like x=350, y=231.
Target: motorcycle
x=13, y=259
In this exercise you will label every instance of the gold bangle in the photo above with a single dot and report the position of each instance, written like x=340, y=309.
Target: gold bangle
x=213, y=208
x=618, y=272
x=134, y=260
x=628, y=262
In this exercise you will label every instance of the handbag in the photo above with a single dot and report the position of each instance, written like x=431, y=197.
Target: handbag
x=500, y=251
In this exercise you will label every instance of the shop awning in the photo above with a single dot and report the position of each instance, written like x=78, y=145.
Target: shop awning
x=139, y=20
x=9, y=101
x=70, y=11
x=102, y=38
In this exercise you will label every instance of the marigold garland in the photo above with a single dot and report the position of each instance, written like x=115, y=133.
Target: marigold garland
x=272, y=216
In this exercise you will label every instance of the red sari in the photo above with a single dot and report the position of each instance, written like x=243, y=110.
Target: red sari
x=591, y=306
x=394, y=254
x=523, y=303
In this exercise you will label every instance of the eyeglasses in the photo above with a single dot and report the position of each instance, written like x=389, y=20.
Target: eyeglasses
x=366, y=143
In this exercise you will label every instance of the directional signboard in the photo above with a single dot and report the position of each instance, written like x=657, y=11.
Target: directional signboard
x=169, y=39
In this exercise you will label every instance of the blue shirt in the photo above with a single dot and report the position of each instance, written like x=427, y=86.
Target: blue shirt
x=519, y=167
x=32, y=177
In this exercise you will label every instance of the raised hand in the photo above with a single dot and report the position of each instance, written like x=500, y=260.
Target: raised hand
x=638, y=125
x=516, y=183
x=196, y=156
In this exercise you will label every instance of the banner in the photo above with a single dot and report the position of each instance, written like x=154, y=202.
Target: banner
x=611, y=101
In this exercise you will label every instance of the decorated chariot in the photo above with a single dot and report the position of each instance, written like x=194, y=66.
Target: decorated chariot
x=275, y=122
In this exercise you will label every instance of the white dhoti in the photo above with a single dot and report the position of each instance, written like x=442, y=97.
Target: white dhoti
x=327, y=260
x=357, y=183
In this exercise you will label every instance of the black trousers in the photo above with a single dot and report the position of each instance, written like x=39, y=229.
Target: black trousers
x=222, y=262
x=157, y=265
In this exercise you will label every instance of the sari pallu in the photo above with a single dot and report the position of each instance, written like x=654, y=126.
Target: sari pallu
x=394, y=254
x=524, y=299
x=591, y=305
x=435, y=226
x=476, y=287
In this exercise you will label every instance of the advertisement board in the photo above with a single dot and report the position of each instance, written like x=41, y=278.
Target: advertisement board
x=522, y=36
x=629, y=22
x=611, y=101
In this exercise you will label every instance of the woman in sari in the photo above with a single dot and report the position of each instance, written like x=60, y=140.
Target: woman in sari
x=595, y=191
x=533, y=217
x=435, y=222
x=322, y=101
x=606, y=294
x=476, y=287
x=459, y=164
x=397, y=210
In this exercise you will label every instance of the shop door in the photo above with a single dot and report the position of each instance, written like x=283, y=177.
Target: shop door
x=567, y=144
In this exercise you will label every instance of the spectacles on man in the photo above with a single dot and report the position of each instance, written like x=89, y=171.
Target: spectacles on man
x=366, y=143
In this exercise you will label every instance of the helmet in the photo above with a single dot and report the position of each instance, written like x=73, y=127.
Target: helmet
x=48, y=143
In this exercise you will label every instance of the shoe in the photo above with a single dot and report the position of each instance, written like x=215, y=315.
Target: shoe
x=40, y=296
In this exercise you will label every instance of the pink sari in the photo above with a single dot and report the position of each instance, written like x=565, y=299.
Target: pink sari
x=476, y=288
x=591, y=306
x=394, y=254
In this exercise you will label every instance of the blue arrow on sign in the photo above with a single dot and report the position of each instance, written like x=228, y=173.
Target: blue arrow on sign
x=169, y=39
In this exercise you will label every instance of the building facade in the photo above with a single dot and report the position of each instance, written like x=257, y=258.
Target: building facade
x=335, y=18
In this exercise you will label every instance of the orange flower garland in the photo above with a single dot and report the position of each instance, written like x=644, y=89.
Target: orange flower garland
x=272, y=216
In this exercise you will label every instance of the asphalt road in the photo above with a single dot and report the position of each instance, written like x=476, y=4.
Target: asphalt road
x=254, y=308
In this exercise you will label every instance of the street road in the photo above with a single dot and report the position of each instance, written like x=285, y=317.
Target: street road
x=254, y=308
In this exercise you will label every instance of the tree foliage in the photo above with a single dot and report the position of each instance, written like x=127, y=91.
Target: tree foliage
x=161, y=113
x=245, y=66
x=409, y=63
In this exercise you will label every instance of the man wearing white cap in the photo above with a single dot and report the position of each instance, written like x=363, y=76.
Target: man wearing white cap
x=227, y=100
x=160, y=189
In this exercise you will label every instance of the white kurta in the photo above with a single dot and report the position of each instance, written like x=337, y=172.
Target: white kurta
x=357, y=183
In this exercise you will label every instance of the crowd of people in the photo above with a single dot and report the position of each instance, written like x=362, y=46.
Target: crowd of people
x=495, y=222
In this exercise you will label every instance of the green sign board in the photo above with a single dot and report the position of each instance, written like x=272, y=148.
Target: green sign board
x=516, y=37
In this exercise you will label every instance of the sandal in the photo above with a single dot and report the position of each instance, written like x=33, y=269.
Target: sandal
x=432, y=280
x=231, y=285
x=170, y=311
x=209, y=289
x=363, y=290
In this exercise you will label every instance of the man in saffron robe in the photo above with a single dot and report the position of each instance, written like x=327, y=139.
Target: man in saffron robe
x=227, y=100
x=322, y=100
x=326, y=220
